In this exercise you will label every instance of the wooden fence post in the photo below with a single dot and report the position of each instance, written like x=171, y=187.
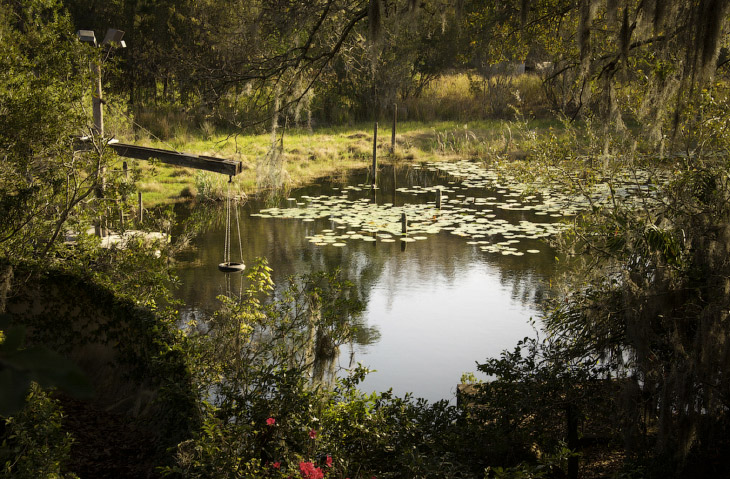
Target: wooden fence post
x=395, y=120
x=140, y=216
x=375, y=152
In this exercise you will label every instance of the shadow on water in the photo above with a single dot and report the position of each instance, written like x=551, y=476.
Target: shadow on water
x=433, y=306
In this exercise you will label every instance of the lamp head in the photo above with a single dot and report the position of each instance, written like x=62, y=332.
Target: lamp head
x=113, y=38
x=87, y=36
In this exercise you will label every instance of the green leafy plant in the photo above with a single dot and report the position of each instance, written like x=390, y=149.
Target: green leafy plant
x=33, y=443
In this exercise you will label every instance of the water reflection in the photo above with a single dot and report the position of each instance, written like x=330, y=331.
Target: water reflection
x=433, y=308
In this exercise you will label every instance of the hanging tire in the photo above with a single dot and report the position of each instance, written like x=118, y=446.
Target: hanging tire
x=231, y=267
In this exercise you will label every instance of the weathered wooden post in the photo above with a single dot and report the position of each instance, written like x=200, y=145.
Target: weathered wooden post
x=140, y=214
x=105, y=231
x=375, y=152
x=125, y=170
x=404, y=223
x=438, y=198
x=395, y=120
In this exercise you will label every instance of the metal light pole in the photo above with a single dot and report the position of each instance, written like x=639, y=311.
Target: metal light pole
x=96, y=100
x=112, y=38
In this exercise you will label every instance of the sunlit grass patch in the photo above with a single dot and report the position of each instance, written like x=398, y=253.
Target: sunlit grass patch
x=330, y=151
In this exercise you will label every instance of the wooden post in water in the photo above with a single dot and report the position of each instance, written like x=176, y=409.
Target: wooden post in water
x=395, y=120
x=438, y=198
x=375, y=152
x=404, y=223
x=395, y=186
x=140, y=213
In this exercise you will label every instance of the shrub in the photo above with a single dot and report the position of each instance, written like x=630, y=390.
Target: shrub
x=33, y=443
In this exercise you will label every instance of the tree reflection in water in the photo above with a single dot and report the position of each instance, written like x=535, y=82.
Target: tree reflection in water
x=499, y=286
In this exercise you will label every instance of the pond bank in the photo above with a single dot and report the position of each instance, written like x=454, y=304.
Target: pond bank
x=327, y=152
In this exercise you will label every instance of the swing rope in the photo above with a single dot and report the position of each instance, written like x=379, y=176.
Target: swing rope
x=238, y=228
x=227, y=266
x=227, y=241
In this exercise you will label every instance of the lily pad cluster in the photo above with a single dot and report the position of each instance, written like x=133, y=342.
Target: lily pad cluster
x=476, y=204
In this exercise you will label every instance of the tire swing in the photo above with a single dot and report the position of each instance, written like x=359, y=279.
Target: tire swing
x=228, y=266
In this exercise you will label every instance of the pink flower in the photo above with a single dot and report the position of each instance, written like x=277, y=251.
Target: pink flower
x=312, y=434
x=270, y=421
x=329, y=461
x=308, y=471
x=276, y=465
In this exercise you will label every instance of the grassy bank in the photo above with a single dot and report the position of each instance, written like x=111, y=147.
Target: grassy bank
x=323, y=152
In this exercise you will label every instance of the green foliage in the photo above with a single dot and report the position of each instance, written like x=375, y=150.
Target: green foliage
x=649, y=300
x=33, y=443
x=252, y=338
x=269, y=412
x=549, y=465
x=45, y=186
x=388, y=436
x=367, y=78
x=537, y=394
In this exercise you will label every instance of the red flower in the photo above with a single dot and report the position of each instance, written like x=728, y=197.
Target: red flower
x=312, y=434
x=309, y=471
x=276, y=465
x=271, y=421
x=329, y=461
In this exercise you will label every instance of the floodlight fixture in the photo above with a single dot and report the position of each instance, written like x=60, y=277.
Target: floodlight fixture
x=87, y=36
x=113, y=37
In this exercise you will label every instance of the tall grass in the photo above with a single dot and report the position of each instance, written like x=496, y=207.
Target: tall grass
x=470, y=96
x=460, y=97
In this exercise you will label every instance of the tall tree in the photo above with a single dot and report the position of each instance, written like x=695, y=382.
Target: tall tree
x=620, y=60
x=44, y=70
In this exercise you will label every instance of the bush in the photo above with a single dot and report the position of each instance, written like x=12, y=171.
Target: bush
x=33, y=443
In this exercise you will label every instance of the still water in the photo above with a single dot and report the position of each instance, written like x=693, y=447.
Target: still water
x=434, y=306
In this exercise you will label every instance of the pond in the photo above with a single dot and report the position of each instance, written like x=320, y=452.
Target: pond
x=462, y=287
